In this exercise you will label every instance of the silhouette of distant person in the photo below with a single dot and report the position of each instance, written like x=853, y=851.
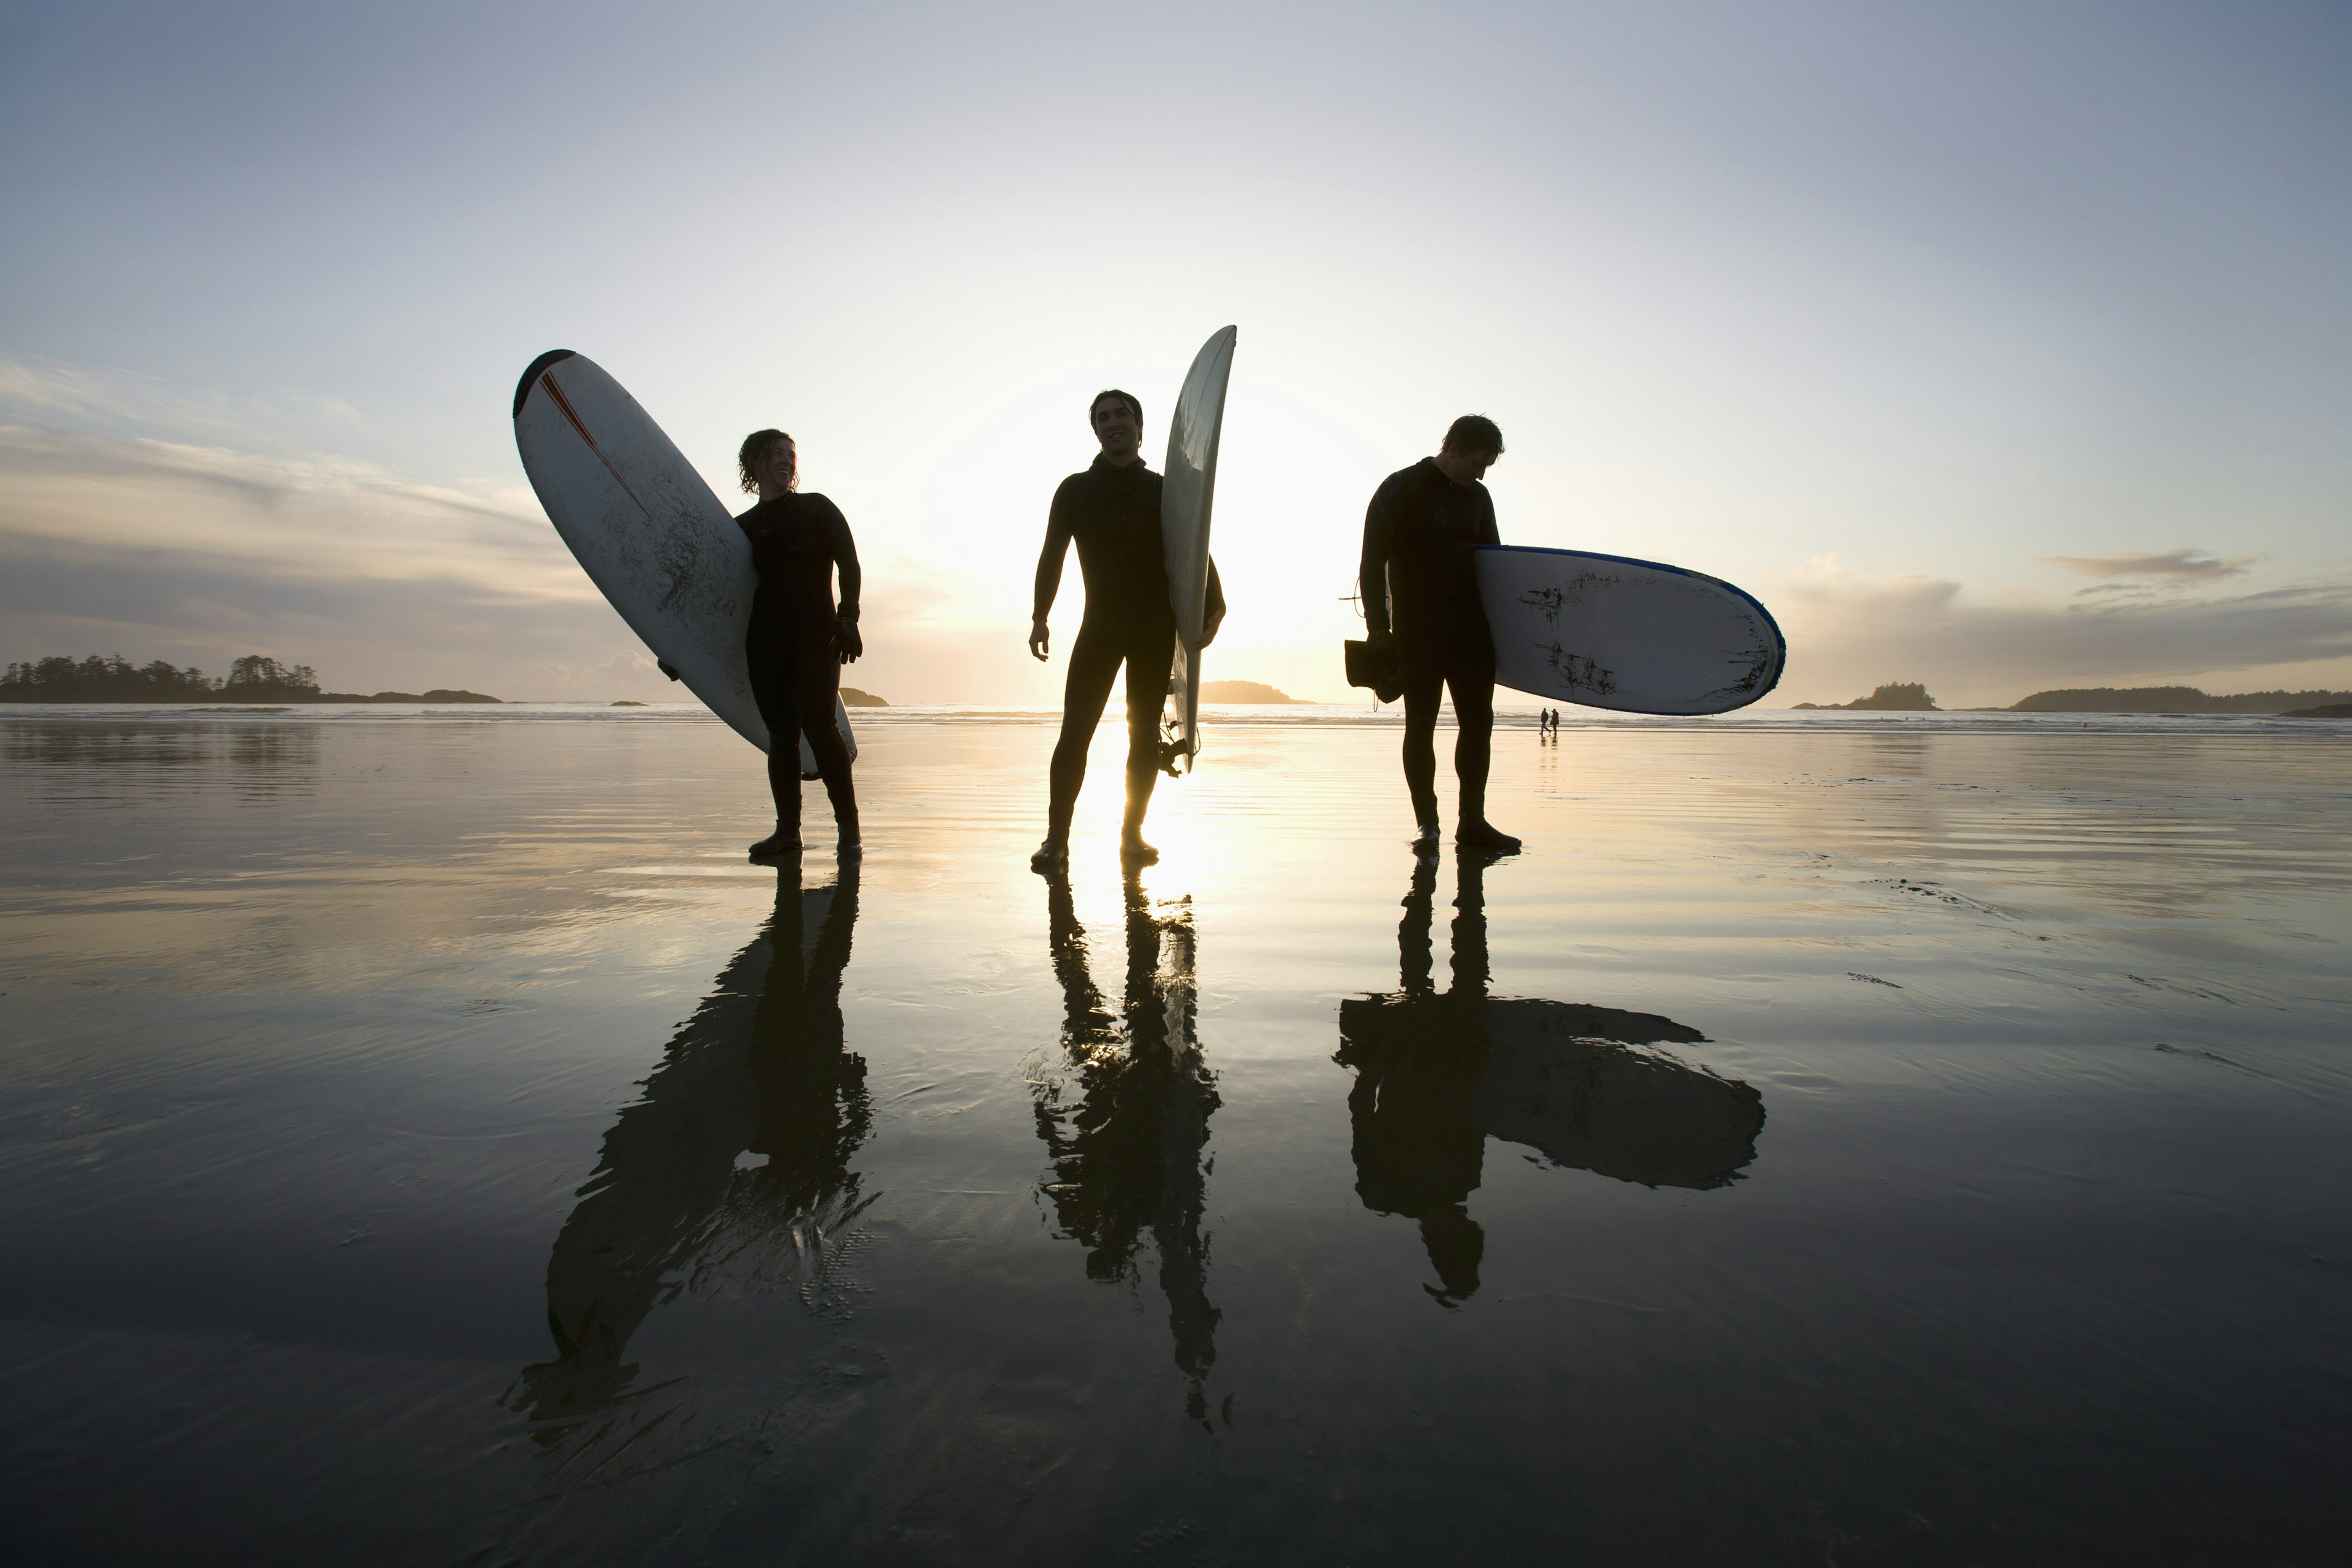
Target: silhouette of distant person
x=1438, y=1073
x=1421, y=595
x=1126, y=1149
x=762, y=1067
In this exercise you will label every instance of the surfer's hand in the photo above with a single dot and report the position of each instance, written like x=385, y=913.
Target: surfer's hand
x=1209, y=627
x=1379, y=636
x=667, y=668
x=847, y=641
x=1039, y=637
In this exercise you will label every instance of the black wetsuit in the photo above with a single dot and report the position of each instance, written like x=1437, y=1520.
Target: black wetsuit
x=1113, y=513
x=793, y=645
x=1419, y=534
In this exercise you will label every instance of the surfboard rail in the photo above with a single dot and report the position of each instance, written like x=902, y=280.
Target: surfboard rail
x=1187, y=495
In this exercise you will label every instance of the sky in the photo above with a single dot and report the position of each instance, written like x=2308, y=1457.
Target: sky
x=1996, y=346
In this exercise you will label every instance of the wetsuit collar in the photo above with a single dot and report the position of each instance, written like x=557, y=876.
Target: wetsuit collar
x=1103, y=462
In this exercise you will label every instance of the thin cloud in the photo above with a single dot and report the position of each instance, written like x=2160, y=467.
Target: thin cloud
x=200, y=553
x=1847, y=630
x=317, y=517
x=2184, y=565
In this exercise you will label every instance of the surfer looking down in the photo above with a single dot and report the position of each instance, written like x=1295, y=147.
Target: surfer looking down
x=1419, y=533
x=1112, y=510
x=799, y=639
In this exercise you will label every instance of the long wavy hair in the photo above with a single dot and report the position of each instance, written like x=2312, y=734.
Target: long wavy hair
x=755, y=450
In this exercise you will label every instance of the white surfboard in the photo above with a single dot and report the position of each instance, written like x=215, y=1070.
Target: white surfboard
x=648, y=530
x=1188, y=486
x=1607, y=631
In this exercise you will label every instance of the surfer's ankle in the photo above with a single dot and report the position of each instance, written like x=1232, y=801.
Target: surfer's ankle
x=1424, y=838
x=784, y=840
x=1477, y=833
x=1052, y=855
x=1134, y=851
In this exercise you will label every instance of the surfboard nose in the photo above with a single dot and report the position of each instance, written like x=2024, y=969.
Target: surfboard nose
x=522, y=387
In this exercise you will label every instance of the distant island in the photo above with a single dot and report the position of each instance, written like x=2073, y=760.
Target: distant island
x=1911, y=697
x=2178, y=700
x=251, y=679
x=1896, y=697
x=1242, y=692
x=852, y=698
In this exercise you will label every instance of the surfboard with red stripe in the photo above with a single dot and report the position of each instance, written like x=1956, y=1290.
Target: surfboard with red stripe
x=653, y=537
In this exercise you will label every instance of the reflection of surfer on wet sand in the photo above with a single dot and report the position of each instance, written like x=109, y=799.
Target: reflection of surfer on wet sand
x=1127, y=1149
x=1438, y=1074
x=759, y=1067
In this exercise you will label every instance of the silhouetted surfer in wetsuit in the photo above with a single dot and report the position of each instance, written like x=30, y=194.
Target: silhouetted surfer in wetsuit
x=1112, y=510
x=1419, y=534
x=799, y=639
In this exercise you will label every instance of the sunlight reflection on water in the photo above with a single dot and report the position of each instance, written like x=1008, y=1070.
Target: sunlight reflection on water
x=425, y=1135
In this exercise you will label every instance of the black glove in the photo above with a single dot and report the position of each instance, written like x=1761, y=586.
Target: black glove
x=847, y=641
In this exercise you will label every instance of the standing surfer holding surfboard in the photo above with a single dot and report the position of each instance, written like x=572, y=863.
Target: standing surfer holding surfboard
x=1419, y=534
x=1112, y=510
x=799, y=638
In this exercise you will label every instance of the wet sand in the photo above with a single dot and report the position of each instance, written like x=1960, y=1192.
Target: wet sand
x=426, y=1138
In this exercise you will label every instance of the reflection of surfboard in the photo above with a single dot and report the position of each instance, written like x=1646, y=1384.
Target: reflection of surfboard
x=1633, y=636
x=1569, y=1081
x=1188, y=485
x=649, y=533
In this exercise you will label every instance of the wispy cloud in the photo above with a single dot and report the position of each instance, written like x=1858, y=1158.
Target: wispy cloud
x=2183, y=564
x=199, y=553
x=1850, y=631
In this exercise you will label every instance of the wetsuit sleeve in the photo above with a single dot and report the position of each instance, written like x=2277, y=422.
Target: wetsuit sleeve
x=844, y=559
x=1373, y=574
x=1488, y=535
x=1057, y=546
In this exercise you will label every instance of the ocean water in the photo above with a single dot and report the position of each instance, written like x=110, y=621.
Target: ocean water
x=1837, y=1138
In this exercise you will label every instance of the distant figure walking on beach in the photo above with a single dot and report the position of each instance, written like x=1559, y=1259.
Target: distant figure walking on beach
x=1419, y=534
x=1112, y=510
x=799, y=639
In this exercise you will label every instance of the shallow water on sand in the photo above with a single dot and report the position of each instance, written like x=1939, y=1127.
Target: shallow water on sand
x=426, y=1138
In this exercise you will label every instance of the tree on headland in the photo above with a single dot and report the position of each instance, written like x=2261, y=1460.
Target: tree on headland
x=1895, y=697
x=255, y=678
x=62, y=678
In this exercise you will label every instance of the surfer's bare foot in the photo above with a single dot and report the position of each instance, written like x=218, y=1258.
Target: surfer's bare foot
x=1054, y=854
x=782, y=842
x=1134, y=851
x=1486, y=839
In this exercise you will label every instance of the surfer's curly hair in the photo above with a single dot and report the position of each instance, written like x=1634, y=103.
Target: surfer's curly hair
x=1473, y=433
x=755, y=450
